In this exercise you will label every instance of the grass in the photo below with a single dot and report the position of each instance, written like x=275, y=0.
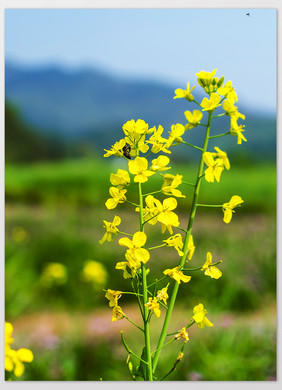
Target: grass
x=60, y=208
x=86, y=183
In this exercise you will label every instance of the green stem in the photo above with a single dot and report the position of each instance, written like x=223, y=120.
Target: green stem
x=209, y=205
x=134, y=204
x=151, y=193
x=185, y=247
x=219, y=135
x=126, y=234
x=192, y=146
x=217, y=116
x=129, y=350
x=133, y=323
x=145, y=294
x=155, y=247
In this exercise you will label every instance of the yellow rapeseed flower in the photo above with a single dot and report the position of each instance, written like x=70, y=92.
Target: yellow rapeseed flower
x=216, y=163
x=175, y=134
x=228, y=207
x=135, y=135
x=212, y=103
x=211, y=270
x=94, y=272
x=117, y=313
x=14, y=359
x=182, y=334
x=177, y=275
x=205, y=78
x=184, y=93
x=111, y=230
x=154, y=305
x=117, y=196
x=120, y=179
x=113, y=297
x=157, y=141
x=229, y=92
x=232, y=110
x=128, y=271
x=159, y=164
x=135, y=253
x=191, y=248
x=170, y=184
x=200, y=316
x=236, y=130
x=54, y=273
x=176, y=242
x=164, y=213
x=162, y=294
x=116, y=149
x=193, y=119
x=139, y=168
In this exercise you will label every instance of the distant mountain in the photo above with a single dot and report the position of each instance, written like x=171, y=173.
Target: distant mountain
x=91, y=105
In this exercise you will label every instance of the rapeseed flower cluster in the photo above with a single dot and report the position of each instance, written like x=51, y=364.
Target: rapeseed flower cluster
x=159, y=206
x=14, y=360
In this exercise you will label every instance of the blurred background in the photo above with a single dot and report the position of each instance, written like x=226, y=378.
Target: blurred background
x=72, y=79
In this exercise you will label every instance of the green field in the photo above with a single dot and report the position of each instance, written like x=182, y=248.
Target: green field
x=59, y=208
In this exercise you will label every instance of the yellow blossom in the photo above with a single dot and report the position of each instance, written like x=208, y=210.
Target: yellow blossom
x=171, y=182
x=113, y=297
x=229, y=92
x=159, y=164
x=120, y=179
x=176, y=242
x=191, y=248
x=162, y=294
x=135, y=135
x=157, y=141
x=128, y=272
x=175, y=134
x=212, y=103
x=54, y=273
x=139, y=168
x=215, y=168
x=117, y=313
x=94, y=272
x=135, y=254
x=216, y=163
x=182, y=334
x=236, y=130
x=193, y=119
x=163, y=212
x=205, y=79
x=177, y=275
x=154, y=305
x=14, y=359
x=117, y=196
x=116, y=149
x=211, y=270
x=184, y=93
x=228, y=207
x=200, y=316
x=232, y=110
x=134, y=129
x=111, y=230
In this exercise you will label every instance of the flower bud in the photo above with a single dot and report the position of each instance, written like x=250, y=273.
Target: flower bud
x=221, y=81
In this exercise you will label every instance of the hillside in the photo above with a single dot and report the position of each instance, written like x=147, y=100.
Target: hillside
x=91, y=106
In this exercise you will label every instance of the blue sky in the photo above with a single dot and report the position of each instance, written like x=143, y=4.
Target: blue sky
x=167, y=45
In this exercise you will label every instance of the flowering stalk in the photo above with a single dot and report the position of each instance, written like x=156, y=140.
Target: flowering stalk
x=152, y=211
x=145, y=295
x=185, y=248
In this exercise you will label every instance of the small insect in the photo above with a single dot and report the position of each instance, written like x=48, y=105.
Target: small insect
x=126, y=151
x=248, y=14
